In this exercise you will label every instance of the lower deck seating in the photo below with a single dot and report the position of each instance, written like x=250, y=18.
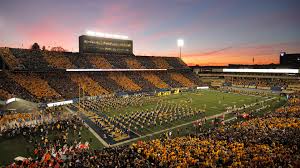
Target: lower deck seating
x=182, y=79
x=155, y=80
x=126, y=83
x=88, y=85
x=35, y=85
x=4, y=95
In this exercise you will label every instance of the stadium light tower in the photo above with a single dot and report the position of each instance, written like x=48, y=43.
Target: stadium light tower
x=180, y=44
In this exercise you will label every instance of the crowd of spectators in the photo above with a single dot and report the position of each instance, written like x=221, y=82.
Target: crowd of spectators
x=31, y=59
x=155, y=80
x=9, y=57
x=87, y=84
x=133, y=63
x=161, y=63
x=55, y=86
x=11, y=87
x=36, y=86
x=176, y=62
x=14, y=122
x=126, y=83
x=261, y=82
x=58, y=60
x=62, y=84
x=99, y=62
x=182, y=79
x=48, y=131
x=245, y=91
x=4, y=95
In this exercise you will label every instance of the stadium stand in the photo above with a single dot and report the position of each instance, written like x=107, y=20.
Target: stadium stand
x=9, y=58
x=4, y=95
x=176, y=63
x=39, y=60
x=161, y=63
x=99, y=62
x=155, y=80
x=13, y=88
x=79, y=60
x=117, y=62
x=68, y=88
x=31, y=59
x=35, y=85
x=133, y=63
x=40, y=74
x=146, y=62
x=106, y=82
x=88, y=85
x=126, y=83
x=137, y=77
x=181, y=79
x=57, y=60
x=167, y=79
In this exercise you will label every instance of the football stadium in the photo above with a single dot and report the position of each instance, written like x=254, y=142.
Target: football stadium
x=105, y=106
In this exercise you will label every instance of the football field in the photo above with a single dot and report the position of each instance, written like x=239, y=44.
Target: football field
x=146, y=116
x=213, y=102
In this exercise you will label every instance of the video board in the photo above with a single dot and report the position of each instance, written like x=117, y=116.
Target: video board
x=91, y=44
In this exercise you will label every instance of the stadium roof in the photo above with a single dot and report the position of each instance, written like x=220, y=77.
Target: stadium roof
x=262, y=70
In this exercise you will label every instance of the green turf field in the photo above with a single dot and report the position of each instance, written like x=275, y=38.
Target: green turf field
x=214, y=101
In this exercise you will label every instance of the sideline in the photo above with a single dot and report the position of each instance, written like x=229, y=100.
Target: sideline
x=91, y=130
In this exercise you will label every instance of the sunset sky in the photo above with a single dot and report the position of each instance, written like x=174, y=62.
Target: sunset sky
x=216, y=32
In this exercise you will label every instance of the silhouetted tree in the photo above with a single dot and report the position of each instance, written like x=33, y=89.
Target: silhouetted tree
x=58, y=49
x=44, y=48
x=35, y=46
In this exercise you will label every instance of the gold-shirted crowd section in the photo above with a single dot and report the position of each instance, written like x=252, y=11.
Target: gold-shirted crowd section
x=9, y=57
x=100, y=62
x=133, y=63
x=57, y=60
x=155, y=80
x=181, y=79
x=161, y=63
x=35, y=85
x=44, y=74
x=88, y=85
x=126, y=83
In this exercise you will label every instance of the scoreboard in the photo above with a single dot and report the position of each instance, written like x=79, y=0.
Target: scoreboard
x=92, y=44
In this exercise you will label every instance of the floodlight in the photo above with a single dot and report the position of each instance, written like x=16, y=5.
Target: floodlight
x=106, y=35
x=180, y=42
